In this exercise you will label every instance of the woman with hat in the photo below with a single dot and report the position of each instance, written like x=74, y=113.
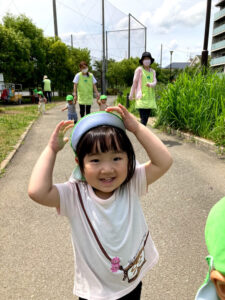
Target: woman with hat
x=142, y=89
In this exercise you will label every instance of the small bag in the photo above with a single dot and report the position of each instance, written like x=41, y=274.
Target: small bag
x=132, y=271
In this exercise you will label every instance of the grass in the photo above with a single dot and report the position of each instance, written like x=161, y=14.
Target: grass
x=14, y=119
x=196, y=104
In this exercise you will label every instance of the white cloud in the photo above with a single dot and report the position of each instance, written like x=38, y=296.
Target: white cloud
x=174, y=13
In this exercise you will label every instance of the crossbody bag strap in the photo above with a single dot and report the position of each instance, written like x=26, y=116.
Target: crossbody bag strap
x=89, y=222
x=92, y=229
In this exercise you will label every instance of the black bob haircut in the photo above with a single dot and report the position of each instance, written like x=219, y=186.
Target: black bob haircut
x=106, y=138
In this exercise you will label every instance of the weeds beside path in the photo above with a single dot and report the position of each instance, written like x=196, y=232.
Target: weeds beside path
x=13, y=122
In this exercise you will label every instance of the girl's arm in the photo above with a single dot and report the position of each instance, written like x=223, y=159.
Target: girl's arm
x=41, y=188
x=160, y=158
x=96, y=91
x=64, y=108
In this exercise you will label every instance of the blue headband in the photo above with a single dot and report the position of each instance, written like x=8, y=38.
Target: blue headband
x=91, y=121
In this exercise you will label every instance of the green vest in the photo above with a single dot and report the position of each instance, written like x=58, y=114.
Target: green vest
x=47, y=85
x=85, y=89
x=148, y=94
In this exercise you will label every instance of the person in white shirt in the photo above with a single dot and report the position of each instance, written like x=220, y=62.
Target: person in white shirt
x=84, y=85
x=112, y=244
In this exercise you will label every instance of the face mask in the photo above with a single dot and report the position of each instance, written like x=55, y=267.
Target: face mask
x=146, y=62
x=85, y=70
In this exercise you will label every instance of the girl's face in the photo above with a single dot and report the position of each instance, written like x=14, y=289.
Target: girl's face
x=105, y=171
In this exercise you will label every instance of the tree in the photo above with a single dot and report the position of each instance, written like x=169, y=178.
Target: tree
x=34, y=40
x=14, y=55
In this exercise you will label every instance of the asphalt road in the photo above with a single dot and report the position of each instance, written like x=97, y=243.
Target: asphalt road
x=36, y=256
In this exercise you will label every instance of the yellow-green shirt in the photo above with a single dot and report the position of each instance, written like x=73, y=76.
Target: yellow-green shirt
x=148, y=93
x=85, y=89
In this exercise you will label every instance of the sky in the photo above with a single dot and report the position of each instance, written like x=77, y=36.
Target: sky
x=177, y=25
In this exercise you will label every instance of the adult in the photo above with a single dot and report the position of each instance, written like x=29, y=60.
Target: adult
x=84, y=84
x=47, y=88
x=142, y=89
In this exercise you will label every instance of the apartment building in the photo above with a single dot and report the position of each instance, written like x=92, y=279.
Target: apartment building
x=218, y=38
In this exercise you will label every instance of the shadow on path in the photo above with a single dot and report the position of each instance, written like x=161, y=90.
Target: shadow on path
x=170, y=143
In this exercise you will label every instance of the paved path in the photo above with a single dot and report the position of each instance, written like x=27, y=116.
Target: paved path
x=36, y=256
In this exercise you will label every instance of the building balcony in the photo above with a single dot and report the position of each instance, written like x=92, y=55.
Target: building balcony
x=220, y=14
x=217, y=61
x=218, y=46
x=219, y=30
x=220, y=3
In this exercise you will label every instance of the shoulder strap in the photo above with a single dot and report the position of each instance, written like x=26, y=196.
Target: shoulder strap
x=89, y=222
x=92, y=229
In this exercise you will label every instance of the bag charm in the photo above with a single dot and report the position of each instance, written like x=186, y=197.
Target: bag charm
x=115, y=264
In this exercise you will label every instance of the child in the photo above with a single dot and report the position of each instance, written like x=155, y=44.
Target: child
x=214, y=285
x=113, y=247
x=41, y=103
x=102, y=102
x=72, y=115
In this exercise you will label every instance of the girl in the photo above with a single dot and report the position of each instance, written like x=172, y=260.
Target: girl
x=113, y=247
x=142, y=89
x=84, y=83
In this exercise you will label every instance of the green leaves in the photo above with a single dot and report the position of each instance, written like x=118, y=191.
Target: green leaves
x=195, y=103
x=26, y=55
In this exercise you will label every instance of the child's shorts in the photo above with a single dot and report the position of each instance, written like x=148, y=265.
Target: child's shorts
x=133, y=295
x=72, y=116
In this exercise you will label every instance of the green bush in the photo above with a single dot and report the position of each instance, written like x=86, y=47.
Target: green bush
x=195, y=103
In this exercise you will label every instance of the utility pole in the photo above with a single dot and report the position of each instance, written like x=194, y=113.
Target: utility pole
x=171, y=53
x=55, y=18
x=161, y=57
x=204, y=60
x=71, y=41
x=145, y=38
x=106, y=61
x=129, y=35
x=103, y=47
x=106, y=47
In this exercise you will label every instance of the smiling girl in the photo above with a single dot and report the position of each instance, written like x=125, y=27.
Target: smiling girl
x=112, y=243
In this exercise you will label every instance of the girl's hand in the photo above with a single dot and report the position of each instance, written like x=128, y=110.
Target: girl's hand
x=148, y=84
x=57, y=140
x=129, y=120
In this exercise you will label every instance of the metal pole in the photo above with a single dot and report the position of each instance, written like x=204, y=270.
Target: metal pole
x=71, y=41
x=161, y=57
x=129, y=35
x=55, y=18
x=103, y=47
x=171, y=53
x=106, y=45
x=106, y=63
x=204, y=59
x=145, y=38
x=137, y=20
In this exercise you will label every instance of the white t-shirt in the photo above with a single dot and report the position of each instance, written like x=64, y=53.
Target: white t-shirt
x=121, y=228
x=77, y=76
